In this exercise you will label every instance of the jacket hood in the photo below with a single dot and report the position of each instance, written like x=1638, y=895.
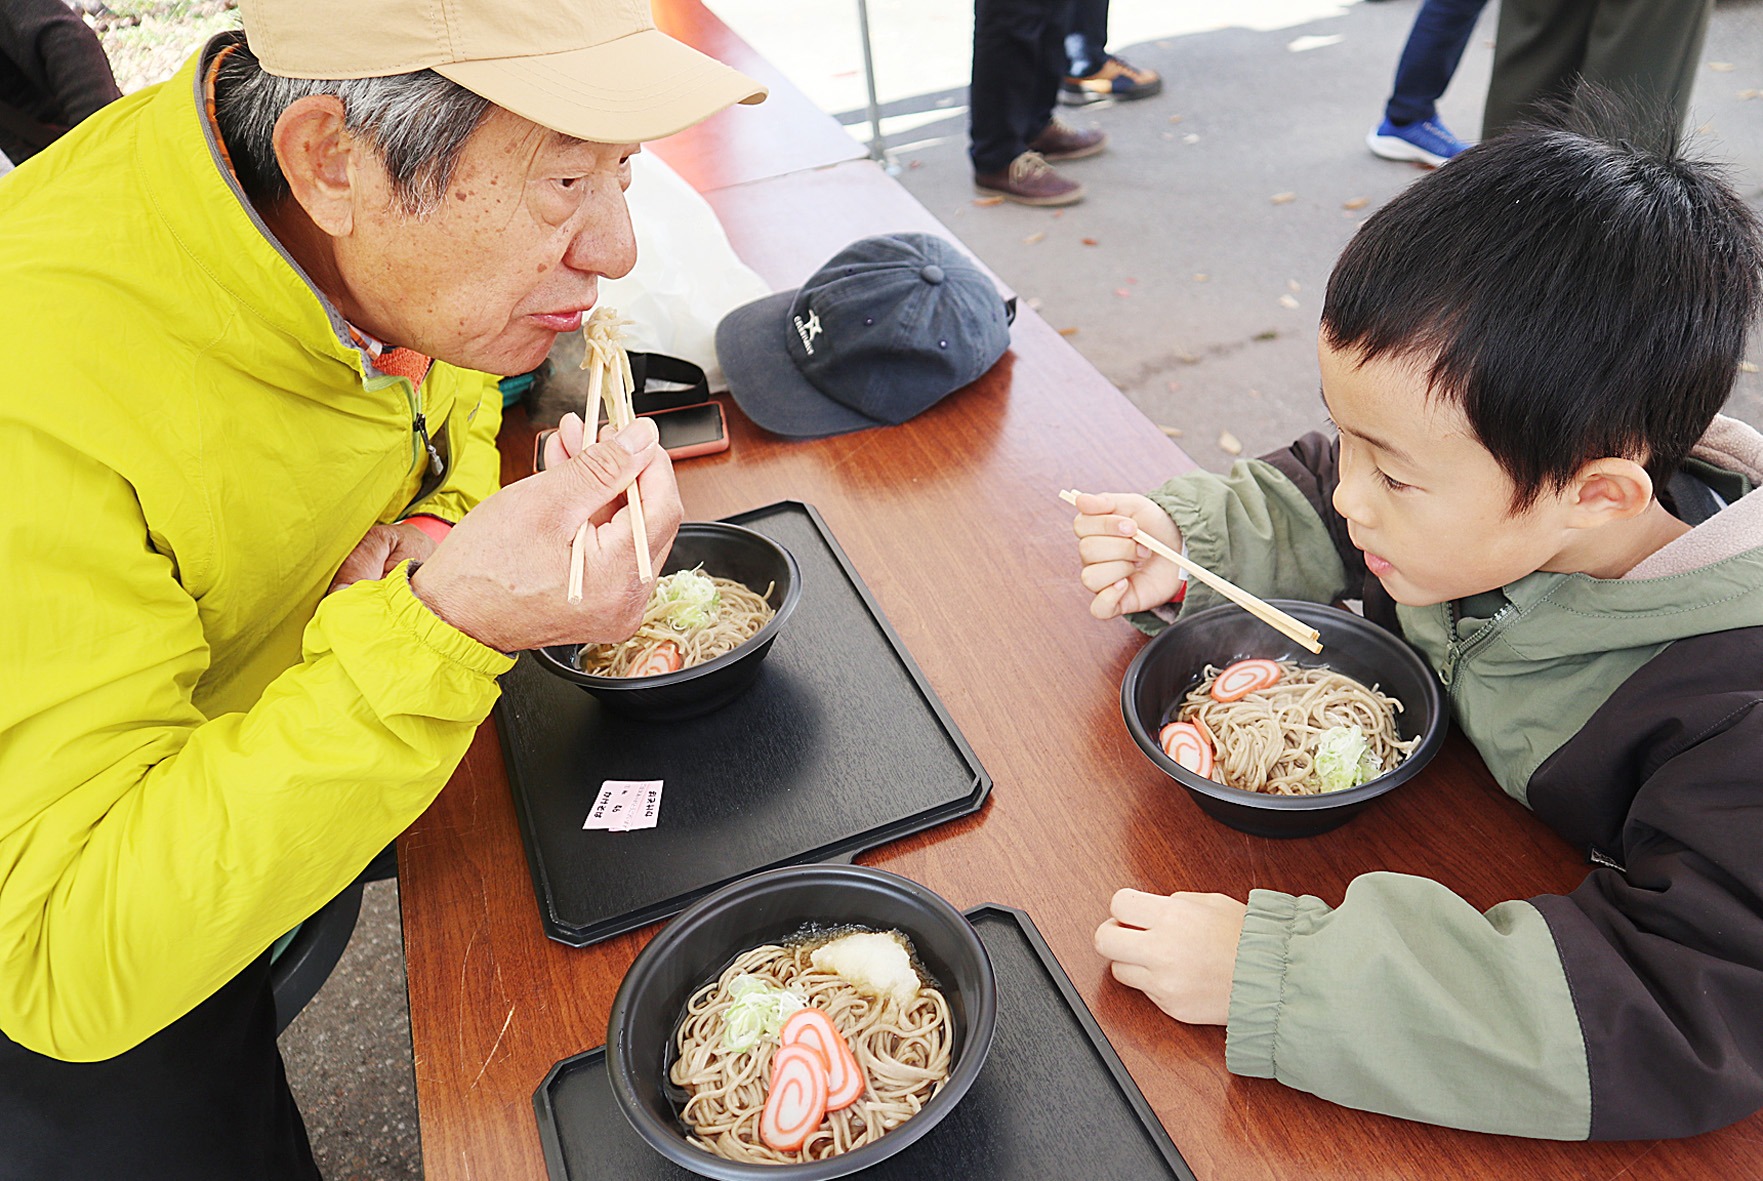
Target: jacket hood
x=1709, y=580
x=1730, y=446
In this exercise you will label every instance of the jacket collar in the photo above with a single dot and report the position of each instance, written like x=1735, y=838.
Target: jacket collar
x=194, y=193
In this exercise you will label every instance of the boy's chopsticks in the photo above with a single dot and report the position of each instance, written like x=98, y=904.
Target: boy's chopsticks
x=603, y=356
x=1290, y=625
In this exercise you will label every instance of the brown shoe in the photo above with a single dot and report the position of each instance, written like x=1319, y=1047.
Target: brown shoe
x=1116, y=79
x=1030, y=180
x=1060, y=142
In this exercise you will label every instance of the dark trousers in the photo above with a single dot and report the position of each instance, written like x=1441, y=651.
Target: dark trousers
x=1429, y=59
x=1643, y=50
x=1086, y=37
x=1018, y=59
x=204, y=1099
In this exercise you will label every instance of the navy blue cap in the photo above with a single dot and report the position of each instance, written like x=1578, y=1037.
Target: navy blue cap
x=890, y=326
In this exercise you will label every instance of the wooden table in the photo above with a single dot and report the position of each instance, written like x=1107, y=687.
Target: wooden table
x=952, y=520
x=786, y=133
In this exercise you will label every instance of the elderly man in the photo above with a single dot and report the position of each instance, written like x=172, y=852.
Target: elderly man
x=248, y=321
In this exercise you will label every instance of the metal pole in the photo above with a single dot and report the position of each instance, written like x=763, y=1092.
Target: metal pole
x=877, y=149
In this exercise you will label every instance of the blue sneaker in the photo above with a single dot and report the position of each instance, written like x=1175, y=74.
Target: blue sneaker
x=1429, y=142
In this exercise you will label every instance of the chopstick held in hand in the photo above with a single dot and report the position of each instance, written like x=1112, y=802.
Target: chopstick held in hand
x=604, y=357
x=620, y=413
x=1290, y=625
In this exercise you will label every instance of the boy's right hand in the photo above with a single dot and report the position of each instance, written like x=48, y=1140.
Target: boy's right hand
x=1179, y=950
x=1124, y=575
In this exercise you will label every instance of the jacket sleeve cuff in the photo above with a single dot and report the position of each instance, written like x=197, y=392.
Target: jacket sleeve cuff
x=390, y=643
x=1256, y=528
x=413, y=615
x=1202, y=533
x=1257, y=986
x=1157, y=618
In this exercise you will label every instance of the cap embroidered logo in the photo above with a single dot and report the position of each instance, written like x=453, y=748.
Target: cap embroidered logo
x=808, y=331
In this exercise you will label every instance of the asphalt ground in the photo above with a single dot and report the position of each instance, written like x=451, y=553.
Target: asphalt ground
x=1191, y=276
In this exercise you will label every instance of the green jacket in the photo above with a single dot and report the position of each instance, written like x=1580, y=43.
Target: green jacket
x=1626, y=713
x=199, y=747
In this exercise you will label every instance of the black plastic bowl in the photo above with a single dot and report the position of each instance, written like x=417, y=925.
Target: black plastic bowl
x=727, y=551
x=1173, y=662
x=695, y=947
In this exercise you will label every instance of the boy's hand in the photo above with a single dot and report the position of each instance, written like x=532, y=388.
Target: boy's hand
x=1178, y=950
x=1124, y=575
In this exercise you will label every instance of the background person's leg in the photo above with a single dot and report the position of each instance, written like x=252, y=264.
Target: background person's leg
x=1411, y=129
x=203, y=1098
x=1086, y=39
x=1646, y=51
x=1049, y=68
x=1539, y=50
x=1018, y=60
x=1429, y=59
x=1010, y=100
x=1090, y=73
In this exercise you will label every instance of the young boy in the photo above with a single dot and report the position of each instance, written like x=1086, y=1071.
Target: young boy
x=1524, y=355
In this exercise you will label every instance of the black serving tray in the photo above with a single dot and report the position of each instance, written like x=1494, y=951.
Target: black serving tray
x=1053, y=1101
x=840, y=745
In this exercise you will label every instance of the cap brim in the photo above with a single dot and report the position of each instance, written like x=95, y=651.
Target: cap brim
x=639, y=87
x=766, y=384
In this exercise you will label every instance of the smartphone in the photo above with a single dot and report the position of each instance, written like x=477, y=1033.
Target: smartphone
x=698, y=429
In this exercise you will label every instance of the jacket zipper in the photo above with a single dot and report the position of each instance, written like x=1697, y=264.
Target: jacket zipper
x=1459, y=651
x=422, y=432
x=419, y=432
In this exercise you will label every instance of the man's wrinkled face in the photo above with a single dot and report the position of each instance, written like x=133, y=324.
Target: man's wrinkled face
x=512, y=256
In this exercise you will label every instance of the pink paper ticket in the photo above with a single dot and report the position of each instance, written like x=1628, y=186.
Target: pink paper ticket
x=626, y=804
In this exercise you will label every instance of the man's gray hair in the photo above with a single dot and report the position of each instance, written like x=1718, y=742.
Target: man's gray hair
x=417, y=124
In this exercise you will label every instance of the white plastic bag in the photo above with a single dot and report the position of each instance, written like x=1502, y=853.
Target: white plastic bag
x=687, y=276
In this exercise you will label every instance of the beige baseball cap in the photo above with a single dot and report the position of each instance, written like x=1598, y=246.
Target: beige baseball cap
x=594, y=69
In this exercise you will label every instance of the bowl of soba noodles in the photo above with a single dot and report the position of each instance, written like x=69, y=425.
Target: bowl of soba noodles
x=716, y=607
x=800, y=1024
x=1272, y=739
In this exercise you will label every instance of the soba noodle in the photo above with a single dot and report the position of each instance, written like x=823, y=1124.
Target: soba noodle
x=734, y=617
x=904, y=1051
x=1266, y=741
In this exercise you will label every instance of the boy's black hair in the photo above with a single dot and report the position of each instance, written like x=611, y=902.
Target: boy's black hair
x=1579, y=296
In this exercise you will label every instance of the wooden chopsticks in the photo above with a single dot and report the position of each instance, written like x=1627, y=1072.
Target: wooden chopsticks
x=1290, y=625
x=609, y=379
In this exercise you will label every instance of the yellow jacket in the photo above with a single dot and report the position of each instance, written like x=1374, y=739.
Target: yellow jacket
x=197, y=747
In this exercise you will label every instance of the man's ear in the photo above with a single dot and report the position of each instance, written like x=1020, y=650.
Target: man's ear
x=1607, y=490
x=316, y=152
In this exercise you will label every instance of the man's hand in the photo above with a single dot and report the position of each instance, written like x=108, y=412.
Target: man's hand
x=381, y=550
x=502, y=575
x=1124, y=575
x=1178, y=950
